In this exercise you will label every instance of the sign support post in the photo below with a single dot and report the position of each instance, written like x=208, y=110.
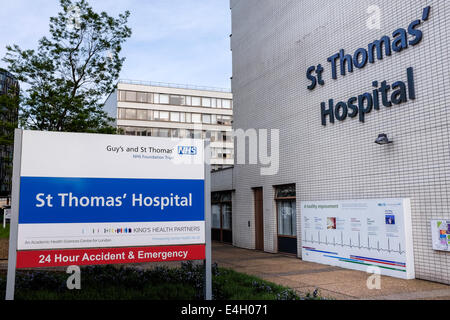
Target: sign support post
x=14, y=222
x=208, y=258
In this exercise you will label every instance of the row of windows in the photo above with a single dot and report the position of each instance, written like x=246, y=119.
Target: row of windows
x=183, y=117
x=177, y=100
x=219, y=153
x=216, y=153
x=214, y=136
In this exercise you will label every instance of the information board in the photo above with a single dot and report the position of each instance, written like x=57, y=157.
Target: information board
x=359, y=234
x=106, y=199
x=440, y=231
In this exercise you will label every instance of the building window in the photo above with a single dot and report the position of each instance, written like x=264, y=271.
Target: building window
x=206, y=102
x=130, y=96
x=196, y=118
x=141, y=97
x=161, y=115
x=214, y=136
x=224, y=120
x=129, y=131
x=141, y=132
x=206, y=118
x=197, y=134
x=225, y=154
x=196, y=101
x=285, y=197
x=163, y=99
x=226, y=104
x=123, y=95
x=175, y=133
x=175, y=116
x=226, y=136
x=142, y=115
x=165, y=133
x=177, y=100
x=221, y=211
x=130, y=114
x=150, y=115
x=190, y=134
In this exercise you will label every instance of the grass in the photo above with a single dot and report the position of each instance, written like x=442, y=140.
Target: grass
x=160, y=283
x=4, y=233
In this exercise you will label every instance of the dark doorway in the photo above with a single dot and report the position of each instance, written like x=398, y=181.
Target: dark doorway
x=285, y=197
x=259, y=218
x=221, y=205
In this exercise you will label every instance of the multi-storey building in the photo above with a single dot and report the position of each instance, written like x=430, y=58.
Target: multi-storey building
x=169, y=110
x=294, y=60
x=9, y=117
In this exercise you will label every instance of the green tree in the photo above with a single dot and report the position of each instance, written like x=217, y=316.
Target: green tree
x=70, y=72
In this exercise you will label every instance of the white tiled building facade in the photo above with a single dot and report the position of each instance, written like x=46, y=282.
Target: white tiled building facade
x=274, y=42
x=169, y=110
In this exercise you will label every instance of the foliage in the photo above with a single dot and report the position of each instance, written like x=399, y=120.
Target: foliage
x=4, y=232
x=71, y=71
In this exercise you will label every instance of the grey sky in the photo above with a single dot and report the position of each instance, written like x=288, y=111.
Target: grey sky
x=177, y=41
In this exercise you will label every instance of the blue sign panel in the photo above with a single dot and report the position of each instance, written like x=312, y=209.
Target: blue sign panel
x=94, y=200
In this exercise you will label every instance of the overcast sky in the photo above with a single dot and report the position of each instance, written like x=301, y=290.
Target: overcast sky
x=176, y=41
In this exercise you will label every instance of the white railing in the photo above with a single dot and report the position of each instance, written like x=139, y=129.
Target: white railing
x=173, y=85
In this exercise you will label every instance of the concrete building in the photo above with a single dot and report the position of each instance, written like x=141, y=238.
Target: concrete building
x=9, y=113
x=327, y=149
x=179, y=111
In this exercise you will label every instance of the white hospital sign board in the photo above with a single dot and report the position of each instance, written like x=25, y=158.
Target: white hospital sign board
x=86, y=198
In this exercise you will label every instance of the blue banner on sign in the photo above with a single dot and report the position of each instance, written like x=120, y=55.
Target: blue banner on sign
x=97, y=200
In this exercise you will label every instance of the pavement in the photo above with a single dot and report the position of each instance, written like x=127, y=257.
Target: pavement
x=4, y=243
x=332, y=282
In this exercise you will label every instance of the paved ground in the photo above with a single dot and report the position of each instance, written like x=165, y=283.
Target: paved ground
x=4, y=243
x=332, y=282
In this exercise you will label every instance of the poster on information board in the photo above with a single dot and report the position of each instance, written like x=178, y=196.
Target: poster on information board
x=440, y=234
x=360, y=235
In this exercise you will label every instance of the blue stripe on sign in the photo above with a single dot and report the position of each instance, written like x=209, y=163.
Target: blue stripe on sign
x=321, y=251
x=106, y=202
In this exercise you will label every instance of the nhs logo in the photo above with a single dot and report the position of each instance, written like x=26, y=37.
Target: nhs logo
x=187, y=150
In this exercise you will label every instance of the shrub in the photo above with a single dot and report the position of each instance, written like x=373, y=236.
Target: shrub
x=159, y=283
